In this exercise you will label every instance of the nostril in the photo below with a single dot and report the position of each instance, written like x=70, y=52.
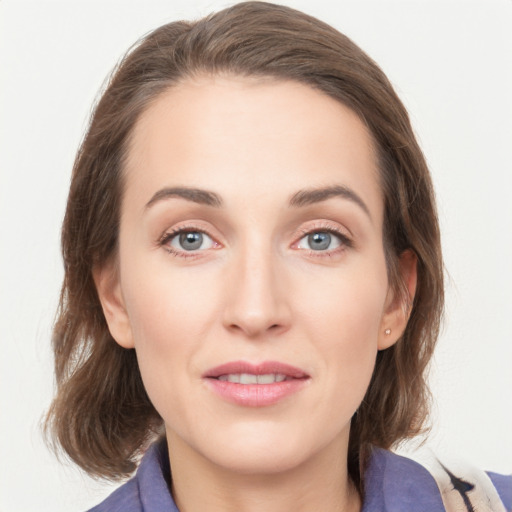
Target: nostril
x=255, y=330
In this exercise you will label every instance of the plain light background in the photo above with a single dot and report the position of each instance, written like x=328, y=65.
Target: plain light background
x=451, y=63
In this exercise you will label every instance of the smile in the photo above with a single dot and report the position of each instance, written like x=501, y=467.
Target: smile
x=249, y=385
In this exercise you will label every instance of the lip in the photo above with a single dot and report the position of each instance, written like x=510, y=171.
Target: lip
x=255, y=395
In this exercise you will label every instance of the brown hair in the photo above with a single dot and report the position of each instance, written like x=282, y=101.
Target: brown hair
x=102, y=416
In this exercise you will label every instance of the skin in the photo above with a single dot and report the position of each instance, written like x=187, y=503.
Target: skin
x=255, y=290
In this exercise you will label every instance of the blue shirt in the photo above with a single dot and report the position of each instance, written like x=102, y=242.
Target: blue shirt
x=392, y=484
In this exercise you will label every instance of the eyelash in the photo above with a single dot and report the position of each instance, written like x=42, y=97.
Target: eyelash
x=168, y=236
x=345, y=241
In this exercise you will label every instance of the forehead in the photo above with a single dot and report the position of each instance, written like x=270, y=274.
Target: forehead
x=237, y=134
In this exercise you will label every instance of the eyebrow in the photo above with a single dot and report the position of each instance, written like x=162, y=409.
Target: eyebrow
x=317, y=195
x=299, y=199
x=195, y=195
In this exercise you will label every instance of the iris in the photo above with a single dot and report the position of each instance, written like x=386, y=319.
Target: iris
x=191, y=240
x=319, y=241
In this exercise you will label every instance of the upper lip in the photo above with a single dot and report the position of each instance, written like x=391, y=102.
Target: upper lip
x=263, y=368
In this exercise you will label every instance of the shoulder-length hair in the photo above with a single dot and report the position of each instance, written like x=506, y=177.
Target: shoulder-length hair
x=101, y=415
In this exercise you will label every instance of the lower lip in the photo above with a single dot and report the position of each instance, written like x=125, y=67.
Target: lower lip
x=255, y=395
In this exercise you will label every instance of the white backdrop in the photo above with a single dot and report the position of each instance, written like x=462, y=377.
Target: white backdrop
x=451, y=62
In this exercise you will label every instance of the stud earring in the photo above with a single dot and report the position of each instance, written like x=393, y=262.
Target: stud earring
x=387, y=332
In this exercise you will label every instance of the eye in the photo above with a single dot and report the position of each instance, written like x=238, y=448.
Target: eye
x=188, y=241
x=322, y=241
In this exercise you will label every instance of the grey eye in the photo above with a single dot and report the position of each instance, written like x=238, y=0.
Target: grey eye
x=320, y=241
x=191, y=241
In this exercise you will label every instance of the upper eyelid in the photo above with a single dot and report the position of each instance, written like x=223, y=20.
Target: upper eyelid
x=344, y=239
x=183, y=227
x=324, y=225
x=335, y=231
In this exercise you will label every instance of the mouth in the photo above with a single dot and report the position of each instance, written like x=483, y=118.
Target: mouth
x=250, y=378
x=259, y=385
x=243, y=372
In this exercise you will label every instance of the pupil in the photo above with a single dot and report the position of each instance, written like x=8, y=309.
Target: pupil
x=319, y=241
x=191, y=241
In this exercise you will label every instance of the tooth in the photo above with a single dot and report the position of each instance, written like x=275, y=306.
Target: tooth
x=247, y=378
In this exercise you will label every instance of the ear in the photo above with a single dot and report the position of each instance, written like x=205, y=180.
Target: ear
x=398, y=305
x=108, y=286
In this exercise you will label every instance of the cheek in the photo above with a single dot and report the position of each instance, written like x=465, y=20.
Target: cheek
x=347, y=304
x=167, y=306
x=171, y=315
x=343, y=315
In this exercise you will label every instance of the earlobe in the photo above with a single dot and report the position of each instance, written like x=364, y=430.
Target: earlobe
x=396, y=316
x=108, y=287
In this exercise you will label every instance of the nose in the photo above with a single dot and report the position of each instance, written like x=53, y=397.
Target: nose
x=257, y=302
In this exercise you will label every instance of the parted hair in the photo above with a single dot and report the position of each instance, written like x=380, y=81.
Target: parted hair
x=101, y=415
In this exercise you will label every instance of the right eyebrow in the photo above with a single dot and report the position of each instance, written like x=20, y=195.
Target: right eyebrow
x=195, y=195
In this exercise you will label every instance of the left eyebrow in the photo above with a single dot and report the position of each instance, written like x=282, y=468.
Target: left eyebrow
x=316, y=195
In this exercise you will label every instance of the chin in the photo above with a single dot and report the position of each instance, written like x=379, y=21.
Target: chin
x=254, y=449
x=260, y=461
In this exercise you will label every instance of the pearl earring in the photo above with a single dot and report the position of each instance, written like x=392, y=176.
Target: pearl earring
x=387, y=332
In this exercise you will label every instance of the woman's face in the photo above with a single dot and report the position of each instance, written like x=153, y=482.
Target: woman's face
x=251, y=277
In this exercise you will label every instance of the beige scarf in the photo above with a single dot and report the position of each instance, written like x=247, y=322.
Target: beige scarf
x=463, y=488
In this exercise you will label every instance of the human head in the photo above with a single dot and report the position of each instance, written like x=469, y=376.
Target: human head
x=108, y=417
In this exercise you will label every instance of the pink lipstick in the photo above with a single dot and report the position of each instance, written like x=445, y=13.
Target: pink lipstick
x=255, y=385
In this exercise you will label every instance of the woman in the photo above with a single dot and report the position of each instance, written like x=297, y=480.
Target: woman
x=253, y=274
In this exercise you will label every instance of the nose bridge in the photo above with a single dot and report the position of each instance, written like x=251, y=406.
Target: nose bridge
x=256, y=304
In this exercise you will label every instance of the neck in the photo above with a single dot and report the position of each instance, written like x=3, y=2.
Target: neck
x=320, y=483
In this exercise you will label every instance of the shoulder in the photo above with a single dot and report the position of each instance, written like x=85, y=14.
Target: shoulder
x=147, y=491
x=397, y=483
x=124, y=499
x=503, y=485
